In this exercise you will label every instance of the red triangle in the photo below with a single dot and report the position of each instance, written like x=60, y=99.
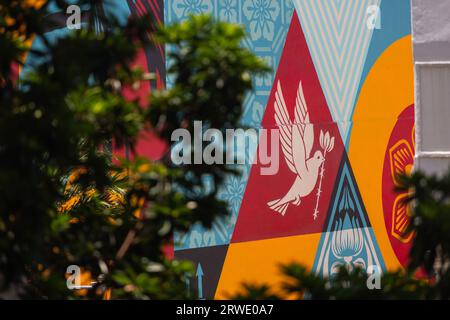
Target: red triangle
x=256, y=220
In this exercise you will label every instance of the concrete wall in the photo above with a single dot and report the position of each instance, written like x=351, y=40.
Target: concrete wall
x=431, y=30
x=431, y=45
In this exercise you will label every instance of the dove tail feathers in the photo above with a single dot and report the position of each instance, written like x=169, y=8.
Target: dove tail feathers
x=278, y=207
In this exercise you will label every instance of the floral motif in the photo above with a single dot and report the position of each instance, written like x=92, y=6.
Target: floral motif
x=253, y=114
x=262, y=15
x=401, y=159
x=221, y=230
x=184, y=8
x=347, y=245
x=204, y=238
x=347, y=241
x=228, y=11
x=265, y=80
x=233, y=193
x=401, y=216
x=288, y=10
x=263, y=19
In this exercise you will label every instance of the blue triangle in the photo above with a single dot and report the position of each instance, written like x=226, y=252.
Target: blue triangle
x=348, y=238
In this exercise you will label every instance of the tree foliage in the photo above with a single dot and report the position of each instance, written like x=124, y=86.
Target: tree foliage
x=63, y=200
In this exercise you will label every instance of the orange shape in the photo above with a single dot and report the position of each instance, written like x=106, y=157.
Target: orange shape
x=258, y=262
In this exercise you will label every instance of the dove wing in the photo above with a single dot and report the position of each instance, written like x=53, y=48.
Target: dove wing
x=285, y=127
x=302, y=119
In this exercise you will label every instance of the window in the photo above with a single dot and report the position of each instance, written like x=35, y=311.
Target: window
x=433, y=116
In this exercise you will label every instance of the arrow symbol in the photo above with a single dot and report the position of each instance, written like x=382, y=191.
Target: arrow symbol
x=200, y=280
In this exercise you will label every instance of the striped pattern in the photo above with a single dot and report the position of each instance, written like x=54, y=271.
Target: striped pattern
x=154, y=51
x=338, y=39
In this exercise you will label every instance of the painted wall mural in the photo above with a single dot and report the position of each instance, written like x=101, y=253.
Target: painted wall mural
x=341, y=95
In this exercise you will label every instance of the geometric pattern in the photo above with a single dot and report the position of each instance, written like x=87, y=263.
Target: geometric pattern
x=333, y=36
x=266, y=23
x=348, y=239
x=256, y=220
x=339, y=38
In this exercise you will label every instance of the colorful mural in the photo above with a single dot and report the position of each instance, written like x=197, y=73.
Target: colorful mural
x=341, y=96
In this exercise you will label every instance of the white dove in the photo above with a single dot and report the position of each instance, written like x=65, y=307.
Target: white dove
x=297, y=140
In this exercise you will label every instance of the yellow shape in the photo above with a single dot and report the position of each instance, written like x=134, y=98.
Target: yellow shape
x=387, y=91
x=258, y=262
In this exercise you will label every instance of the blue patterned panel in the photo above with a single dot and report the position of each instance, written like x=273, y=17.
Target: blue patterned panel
x=267, y=23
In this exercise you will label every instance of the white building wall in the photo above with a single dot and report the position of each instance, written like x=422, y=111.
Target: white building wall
x=431, y=43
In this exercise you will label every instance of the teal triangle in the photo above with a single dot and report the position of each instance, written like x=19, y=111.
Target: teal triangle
x=348, y=238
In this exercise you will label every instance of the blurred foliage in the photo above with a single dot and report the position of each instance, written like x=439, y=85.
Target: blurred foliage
x=427, y=275
x=63, y=201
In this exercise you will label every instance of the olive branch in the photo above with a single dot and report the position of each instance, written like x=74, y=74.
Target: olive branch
x=327, y=144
